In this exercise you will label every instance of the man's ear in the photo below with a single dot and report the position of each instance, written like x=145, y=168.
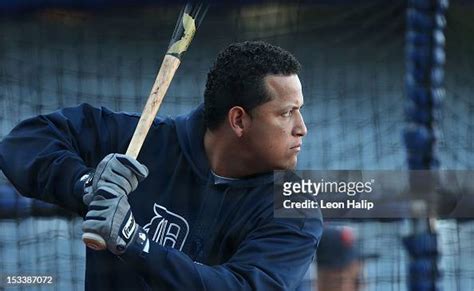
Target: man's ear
x=238, y=120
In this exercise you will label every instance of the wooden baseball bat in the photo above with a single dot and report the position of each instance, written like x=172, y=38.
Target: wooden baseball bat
x=190, y=18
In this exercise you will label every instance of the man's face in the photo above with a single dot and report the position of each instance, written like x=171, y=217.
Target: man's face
x=276, y=128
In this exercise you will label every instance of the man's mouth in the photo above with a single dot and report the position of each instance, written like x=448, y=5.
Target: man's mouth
x=296, y=147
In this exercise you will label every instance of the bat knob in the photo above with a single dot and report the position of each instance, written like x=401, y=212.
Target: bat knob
x=94, y=241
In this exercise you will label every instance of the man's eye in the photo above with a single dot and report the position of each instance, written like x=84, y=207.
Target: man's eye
x=287, y=114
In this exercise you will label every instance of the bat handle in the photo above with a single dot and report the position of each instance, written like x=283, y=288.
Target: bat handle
x=167, y=70
x=94, y=241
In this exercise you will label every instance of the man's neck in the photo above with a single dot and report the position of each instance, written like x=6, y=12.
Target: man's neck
x=225, y=156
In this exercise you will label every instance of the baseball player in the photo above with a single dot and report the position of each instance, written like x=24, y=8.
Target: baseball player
x=340, y=264
x=195, y=210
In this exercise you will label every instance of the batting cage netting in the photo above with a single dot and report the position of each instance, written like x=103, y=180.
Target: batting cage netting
x=353, y=55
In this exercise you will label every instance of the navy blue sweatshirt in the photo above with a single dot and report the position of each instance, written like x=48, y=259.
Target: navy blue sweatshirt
x=206, y=233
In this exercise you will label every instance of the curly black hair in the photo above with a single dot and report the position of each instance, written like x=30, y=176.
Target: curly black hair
x=236, y=78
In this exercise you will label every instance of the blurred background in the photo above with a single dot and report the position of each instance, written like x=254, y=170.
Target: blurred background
x=55, y=54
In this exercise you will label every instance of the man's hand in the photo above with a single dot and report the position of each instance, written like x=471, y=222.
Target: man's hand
x=113, y=220
x=116, y=175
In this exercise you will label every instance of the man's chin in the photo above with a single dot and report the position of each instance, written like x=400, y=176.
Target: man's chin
x=293, y=163
x=289, y=166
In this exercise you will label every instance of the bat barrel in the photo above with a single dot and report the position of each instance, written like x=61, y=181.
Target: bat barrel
x=189, y=20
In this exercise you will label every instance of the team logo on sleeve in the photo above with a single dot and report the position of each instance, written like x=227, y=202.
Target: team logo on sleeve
x=167, y=228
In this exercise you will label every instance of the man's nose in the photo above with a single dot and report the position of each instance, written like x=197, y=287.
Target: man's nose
x=300, y=127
